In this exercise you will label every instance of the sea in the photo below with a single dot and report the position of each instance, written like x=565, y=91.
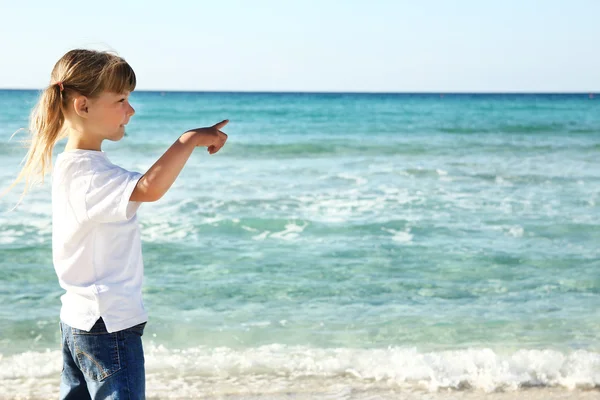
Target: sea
x=340, y=246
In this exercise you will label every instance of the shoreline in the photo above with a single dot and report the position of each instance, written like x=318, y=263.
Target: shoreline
x=345, y=393
x=276, y=372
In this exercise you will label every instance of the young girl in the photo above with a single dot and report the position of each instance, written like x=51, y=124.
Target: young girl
x=96, y=242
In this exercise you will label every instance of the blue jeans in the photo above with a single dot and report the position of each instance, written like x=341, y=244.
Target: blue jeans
x=102, y=365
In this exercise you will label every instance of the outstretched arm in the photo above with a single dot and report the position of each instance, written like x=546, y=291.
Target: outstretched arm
x=159, y=178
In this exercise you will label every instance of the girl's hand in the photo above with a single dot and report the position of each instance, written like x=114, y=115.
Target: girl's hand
x=211, y=137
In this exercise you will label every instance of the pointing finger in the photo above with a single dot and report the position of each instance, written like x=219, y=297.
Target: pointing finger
x=221, y=124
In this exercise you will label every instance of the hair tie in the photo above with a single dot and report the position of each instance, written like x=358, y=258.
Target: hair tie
x=60, y=85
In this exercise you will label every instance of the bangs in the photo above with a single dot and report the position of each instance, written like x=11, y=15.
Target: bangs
x=118, y=77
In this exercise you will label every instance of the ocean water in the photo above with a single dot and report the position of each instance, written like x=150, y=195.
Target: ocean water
x=340, y=244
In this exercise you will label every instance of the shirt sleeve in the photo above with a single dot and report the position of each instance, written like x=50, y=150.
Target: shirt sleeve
x=107, y=198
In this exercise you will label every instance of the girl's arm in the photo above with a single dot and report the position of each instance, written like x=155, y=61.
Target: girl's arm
x=159, y=178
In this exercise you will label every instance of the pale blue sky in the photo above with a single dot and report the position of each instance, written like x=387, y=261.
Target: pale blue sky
x=326, y=45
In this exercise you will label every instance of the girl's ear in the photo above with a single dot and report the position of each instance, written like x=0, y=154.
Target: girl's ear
x=80, y=104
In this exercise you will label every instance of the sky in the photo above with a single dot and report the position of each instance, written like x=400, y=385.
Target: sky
x=315, y=46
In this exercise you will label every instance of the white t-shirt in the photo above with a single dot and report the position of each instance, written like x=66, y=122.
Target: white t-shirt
x=96, y=243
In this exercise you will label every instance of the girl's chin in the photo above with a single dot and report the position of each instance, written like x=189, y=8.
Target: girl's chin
x=118, y=135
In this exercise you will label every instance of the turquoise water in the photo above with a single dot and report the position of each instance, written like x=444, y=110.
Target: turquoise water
x=339, y=232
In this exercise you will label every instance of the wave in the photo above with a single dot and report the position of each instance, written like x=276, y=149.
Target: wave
x=323, y=148
x=522, y=129
x=357, y=148
x=281, y=369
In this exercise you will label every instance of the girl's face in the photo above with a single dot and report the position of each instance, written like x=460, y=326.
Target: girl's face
x=108, y=114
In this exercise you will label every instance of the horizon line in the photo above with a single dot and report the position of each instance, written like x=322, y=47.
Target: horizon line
x=335, y=92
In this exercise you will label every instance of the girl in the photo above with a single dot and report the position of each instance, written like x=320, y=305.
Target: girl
x=96, y=244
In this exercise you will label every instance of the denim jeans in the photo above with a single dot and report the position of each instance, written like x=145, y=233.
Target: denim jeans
x=102, y=365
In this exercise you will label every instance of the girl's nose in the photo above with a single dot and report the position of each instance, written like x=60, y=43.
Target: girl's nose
x=131, y=110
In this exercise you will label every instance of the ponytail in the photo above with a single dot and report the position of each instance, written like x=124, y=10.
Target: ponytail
x=45, y=127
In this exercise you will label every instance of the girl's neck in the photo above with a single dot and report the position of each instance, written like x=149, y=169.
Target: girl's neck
x=70, y=147
x=79, y=142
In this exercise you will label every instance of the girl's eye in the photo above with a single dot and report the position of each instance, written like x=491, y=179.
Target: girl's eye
x=121, y=101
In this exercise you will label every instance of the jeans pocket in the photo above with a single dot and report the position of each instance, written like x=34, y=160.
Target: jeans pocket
x=97, y=354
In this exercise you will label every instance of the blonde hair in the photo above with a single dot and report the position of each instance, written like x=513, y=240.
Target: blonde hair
x=78, y=72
